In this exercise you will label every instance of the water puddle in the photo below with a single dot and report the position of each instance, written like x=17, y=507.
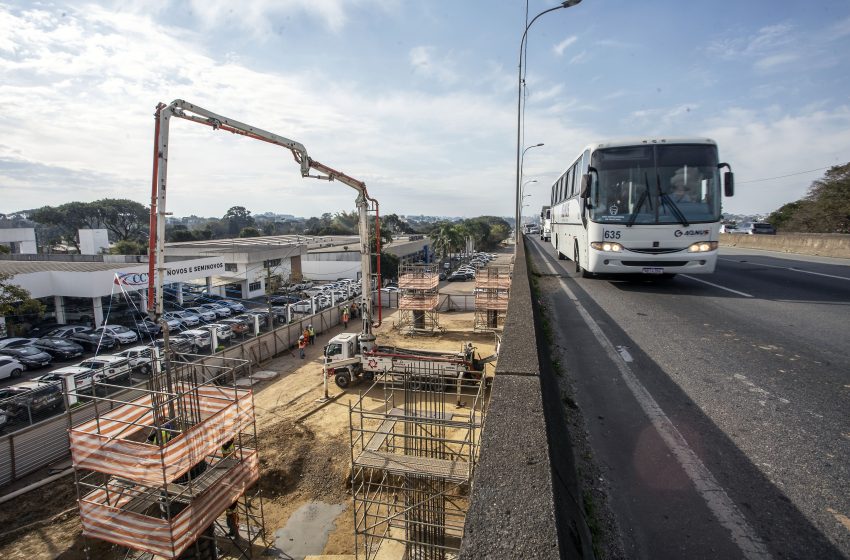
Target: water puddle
x=308, y=529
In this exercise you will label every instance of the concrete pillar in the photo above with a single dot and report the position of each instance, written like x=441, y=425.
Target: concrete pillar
x=209, y=284
x=59, y=306
x=97, y=304
x=257, y=323
x=180, y=294
x=313, y=305
x=213, y=340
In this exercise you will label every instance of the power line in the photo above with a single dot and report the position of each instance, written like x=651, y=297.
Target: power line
x=783, y=176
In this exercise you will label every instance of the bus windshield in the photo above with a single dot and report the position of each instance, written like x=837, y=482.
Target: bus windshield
x=656, y=184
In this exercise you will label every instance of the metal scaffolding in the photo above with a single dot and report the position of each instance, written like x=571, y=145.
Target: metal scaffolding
x=412, y=462
x=418, y=298
x=169, y=468
x=492, y=292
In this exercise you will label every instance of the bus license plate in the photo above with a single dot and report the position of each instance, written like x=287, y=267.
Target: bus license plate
x=653, y=270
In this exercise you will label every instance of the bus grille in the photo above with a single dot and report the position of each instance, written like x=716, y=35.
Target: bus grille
x=654, y=263
x=654, y=250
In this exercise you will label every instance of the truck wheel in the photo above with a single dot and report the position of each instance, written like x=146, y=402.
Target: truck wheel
x=369, y=376
x=342, y=380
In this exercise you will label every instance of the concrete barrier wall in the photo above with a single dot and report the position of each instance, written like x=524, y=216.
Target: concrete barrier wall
x=525, y=498
x=822, y=244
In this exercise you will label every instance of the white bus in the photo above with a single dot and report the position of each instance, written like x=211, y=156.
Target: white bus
x=645, y=206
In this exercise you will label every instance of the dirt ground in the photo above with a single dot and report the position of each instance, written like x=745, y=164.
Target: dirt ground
x=304, y=452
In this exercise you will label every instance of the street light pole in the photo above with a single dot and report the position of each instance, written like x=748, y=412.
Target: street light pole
x=522, y=158
x=566, y=4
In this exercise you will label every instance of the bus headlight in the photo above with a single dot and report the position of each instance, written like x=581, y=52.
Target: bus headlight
x=702, y=247
x=606, y=246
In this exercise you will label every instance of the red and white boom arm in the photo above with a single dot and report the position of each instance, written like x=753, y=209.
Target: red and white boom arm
x=184, y=110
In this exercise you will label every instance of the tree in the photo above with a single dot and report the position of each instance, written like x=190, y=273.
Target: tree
x=237, y=218
x=447, y=238
x=824, y=209
x=125, y=219
x=250, y=232
x=129, y=247
x=17, y=305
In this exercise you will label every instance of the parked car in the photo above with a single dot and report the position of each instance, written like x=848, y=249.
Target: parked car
x=303, y=306
x=10, y=367
x=41, y=329
x=140, y=358
x=233, y=305
x=222, y=331
x=15, y=342
x=61, y=348
x=30, y=397
x=237, y=325
x=199, y=338
x=179, y=344
x=119, y=332
x=219, y=310
x=30, y=356
x=249, y=315
x=82, y=376
x=204, y=313
x=65, y=331
x=147, y=329
x=186, y=319
x=94, y=341
x=458, y=277
x=283, y=300
x=108, y=367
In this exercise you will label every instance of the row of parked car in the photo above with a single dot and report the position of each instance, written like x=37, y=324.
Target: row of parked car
x=467, y=271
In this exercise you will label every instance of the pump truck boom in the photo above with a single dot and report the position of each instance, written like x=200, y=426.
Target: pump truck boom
x=310, y=168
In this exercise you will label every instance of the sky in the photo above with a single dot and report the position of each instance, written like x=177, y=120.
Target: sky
x=416, y=98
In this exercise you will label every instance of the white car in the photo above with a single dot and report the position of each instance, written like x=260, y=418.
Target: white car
x=186, y=319
x=15, y=342
x=119, y=332
x=199, y=338
x=140, y=357
x=10, y=367
x=222, y=332
x=220, y=310
x=82, y=377
x=204, y=313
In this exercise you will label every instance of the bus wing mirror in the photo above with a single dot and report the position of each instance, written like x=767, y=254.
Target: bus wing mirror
x=728, y=179
x=586, y=179
x=729, y=183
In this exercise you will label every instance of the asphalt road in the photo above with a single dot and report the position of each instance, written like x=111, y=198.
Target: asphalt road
x=717, y=407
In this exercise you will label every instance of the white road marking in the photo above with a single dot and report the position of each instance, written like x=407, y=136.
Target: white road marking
x=716, y=285
x=791, y=268
x=624, y=354
x=715, y=497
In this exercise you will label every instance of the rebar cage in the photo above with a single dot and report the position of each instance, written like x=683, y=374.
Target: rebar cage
x=418, y=298
x=413, y=458
x=159, y=471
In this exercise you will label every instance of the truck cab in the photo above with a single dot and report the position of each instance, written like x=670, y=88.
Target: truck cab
x=343, y=359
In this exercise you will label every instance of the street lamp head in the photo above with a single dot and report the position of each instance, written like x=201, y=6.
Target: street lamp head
x=570, y=3
x=537, y=145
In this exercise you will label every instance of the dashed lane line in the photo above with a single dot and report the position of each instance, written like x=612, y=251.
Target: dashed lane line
x=718, y=286
x=715, y=497
x=792, y=269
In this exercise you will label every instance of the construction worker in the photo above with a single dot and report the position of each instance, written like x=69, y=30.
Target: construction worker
x=302, y=344
x=163, y=435
x=228, y=447
x=306, y=333
x=312, y=333
x=232, y=516
x=354, y=310
x=345, y=317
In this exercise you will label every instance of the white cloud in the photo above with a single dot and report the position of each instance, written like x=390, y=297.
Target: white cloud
x=427, y=63
x=771, y=62
x=579, y=58
x=561, y=47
